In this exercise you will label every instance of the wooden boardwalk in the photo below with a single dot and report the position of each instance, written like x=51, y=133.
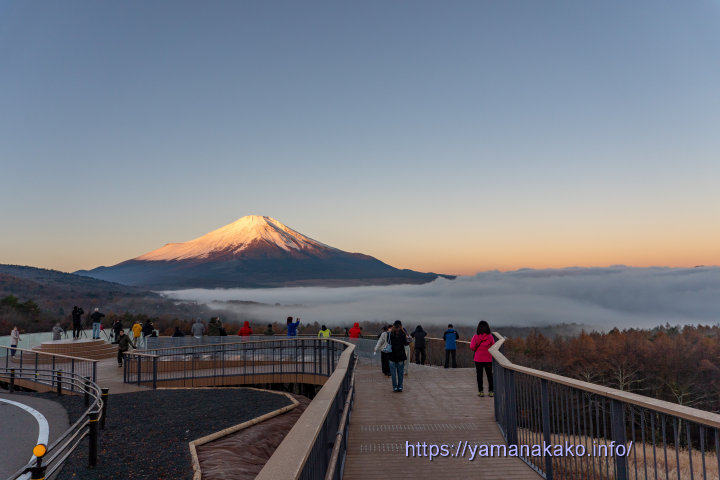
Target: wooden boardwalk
x=437, y=406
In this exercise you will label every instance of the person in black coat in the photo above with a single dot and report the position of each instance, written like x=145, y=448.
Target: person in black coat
x=77, y=321
x=419, y=335
x=397, y=357
x=117, y=327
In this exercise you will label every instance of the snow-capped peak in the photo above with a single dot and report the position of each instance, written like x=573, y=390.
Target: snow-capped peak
x=236, y=237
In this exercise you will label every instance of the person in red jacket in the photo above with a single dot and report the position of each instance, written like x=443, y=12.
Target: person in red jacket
x=355, y=331
x=245, y=331
x=480, y=344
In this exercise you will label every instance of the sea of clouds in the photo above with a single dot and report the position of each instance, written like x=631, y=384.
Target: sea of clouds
x=597, y=298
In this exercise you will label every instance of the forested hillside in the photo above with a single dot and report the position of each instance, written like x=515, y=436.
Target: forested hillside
x=34, y=299
x=677, y=364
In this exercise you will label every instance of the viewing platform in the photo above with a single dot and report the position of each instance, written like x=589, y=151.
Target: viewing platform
x=356, y=427
x=437, y=406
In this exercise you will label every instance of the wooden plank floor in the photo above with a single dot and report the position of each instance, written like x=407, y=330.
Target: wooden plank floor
x=437, y=405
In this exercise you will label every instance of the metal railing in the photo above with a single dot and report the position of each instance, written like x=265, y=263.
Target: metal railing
x=22, y=359
x=269, y=361
x=596, y=432
x=326, y=422
x=47, y=464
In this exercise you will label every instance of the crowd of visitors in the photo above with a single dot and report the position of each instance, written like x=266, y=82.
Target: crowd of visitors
x=393, y=342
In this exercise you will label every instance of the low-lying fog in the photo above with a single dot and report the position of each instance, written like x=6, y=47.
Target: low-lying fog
x=600, y=298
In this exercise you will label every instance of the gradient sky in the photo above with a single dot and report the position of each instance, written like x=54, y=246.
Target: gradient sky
x=453, y=137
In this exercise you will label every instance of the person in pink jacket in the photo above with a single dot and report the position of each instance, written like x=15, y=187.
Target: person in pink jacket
x=480, y=344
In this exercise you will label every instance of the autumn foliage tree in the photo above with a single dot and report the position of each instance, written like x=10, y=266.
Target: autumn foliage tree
x=676, y=364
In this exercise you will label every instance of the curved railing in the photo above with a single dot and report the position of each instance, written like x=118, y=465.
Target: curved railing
x=46, y=464
x=599, y=432
x=35, y=360
x=286, y=360
x=315, y=447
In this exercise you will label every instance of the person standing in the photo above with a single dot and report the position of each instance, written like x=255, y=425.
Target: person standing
x=177, y=333
x=480, y=344
x=213, y=328
x=292, y=327
x=77, y=313
x=398, y=341
x=355, y=331
x=245, y=331
x=197, y=328
x=380, y=345
x=269, y=332
x=451, y=336
x=324, y=332
x=14, y=339
x=117, y=326
x=96, y=318
x=57, y=332
x=124, y=343
x=419, y=335
x=136, y=331
x=221, y=330
x=147, y=331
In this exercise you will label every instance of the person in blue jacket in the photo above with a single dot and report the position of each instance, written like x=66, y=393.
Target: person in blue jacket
x=450, y=336
x=292, y=327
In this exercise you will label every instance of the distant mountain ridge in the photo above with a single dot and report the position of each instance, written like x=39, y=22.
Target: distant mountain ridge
x=254, y=251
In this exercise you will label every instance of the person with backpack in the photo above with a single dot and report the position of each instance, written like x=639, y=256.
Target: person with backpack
x=124, y=343
x=480, y=344
x=451, y=336
x=398, y=340
x=419, y=335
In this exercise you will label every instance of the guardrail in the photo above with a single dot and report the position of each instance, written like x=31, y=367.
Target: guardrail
x=48, y=459
x=37, y=361
x=269, y=361
x=603, y=433
x=325, y=421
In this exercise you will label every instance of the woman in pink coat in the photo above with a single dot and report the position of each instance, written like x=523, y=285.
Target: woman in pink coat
x=480, y=344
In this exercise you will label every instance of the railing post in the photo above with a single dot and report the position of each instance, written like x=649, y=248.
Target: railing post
x=510, y=407
x=94, y=372
x=93, y=427
x=139, y=368
x=155, y=365
x=87, y=391
x=11, y=388
x=72, y=372
x=38, y=472
x=546, y=427
x=617, y=414
x=59, y=382
x=104, y=396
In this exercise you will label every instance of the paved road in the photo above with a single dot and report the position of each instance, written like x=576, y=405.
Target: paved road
x=19, y=431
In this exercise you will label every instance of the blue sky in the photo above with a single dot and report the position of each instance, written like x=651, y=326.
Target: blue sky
x=455, y=137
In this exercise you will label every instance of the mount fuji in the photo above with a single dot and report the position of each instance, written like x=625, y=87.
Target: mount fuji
x=253, y=252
